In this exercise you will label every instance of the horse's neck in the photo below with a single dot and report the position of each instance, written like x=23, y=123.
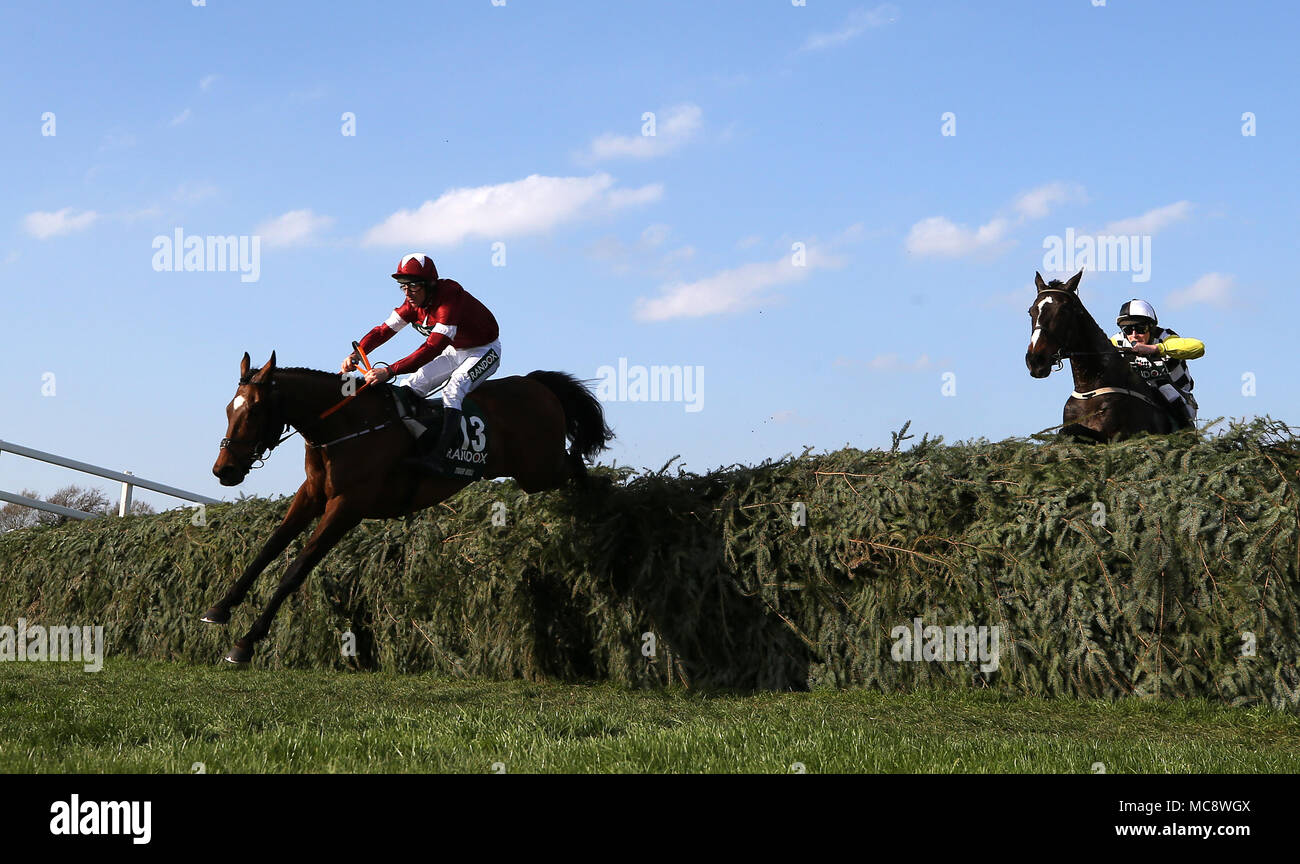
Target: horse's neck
x=1099, y=364
x=308, y=394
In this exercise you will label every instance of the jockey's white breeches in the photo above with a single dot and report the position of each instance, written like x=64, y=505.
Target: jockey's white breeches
x=459, y=369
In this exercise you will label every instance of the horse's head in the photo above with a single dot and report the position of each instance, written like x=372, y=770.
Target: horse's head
x=253, y=423
x=1053, y=319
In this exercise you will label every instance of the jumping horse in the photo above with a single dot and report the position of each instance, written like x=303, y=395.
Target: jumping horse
x=356, y=458
x=1110, y=399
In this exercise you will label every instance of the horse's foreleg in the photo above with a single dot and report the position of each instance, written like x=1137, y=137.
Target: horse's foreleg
x=306, y=506
x=337, y=521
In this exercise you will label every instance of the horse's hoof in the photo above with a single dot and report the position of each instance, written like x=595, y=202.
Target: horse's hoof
x=216, y=615
x=241, y=654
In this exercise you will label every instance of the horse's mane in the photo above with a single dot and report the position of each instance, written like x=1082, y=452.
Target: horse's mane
x=1134, y=378
x=306, y=370
x=318, y=373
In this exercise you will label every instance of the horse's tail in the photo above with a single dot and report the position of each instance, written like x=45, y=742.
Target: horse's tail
x=584, y=417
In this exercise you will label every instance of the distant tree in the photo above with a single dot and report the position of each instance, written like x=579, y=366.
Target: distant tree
x=15, y=516
x=88, y=500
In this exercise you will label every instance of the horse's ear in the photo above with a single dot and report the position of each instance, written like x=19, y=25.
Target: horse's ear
x=1073, y=284
x=266, y=370
x=1038, y=280
x=245, y=365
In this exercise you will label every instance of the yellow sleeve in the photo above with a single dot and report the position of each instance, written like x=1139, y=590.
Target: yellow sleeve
x=1181, y=348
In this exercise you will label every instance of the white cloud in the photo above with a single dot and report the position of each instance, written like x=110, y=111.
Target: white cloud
x=673, y=128
x=193, y=192
x=895, y=363
x=643, y=255
x=207, y=81
x=181, y=117
x=533, y=205
x=1019, y=299
x=859, y=21
x=313, y=94
x=1215, y=289
x=1151, y=221
x=1038, y=202
x=294, y=228
x=654, y=235
x=116, y=141
x=648, y=194
x=42, y=225
x=939, y=236
x=151, y=212
x=730, y=290
x=677, y=256
x=609, y=248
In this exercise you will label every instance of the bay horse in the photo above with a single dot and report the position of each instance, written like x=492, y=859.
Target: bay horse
x=355, y=459
x=1110, y=399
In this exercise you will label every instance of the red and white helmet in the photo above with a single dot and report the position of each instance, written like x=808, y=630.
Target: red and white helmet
x=416, y=267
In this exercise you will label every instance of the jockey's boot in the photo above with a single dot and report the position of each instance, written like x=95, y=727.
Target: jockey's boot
x=433, y=445
x=1181, y=413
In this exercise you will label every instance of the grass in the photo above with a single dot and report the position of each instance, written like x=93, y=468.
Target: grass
x=136, y=716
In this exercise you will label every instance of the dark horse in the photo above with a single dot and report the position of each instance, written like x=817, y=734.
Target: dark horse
x=1110, y=399
x=355, y=458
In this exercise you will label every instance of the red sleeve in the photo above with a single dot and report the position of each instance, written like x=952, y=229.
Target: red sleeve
x=376, y=337
x=383, y=332
x=432, y=347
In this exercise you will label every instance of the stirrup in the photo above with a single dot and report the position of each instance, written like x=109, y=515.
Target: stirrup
x=432, y=447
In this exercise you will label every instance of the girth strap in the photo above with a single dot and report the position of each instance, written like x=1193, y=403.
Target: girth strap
x=1101, y=391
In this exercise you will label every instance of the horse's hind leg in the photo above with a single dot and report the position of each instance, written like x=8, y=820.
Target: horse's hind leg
x=337, y=521
x=306, y=506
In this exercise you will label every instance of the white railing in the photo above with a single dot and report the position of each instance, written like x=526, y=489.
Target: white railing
x=126, y=478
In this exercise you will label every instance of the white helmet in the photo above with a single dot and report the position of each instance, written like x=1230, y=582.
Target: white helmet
x=1137, y=312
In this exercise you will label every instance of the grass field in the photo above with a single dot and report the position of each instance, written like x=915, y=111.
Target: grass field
x=155, y=717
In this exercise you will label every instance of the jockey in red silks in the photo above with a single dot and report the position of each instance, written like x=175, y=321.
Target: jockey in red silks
x=462, y=348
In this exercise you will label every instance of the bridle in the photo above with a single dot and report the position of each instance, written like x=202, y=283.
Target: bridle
x=1058, y=359
x=260, y=450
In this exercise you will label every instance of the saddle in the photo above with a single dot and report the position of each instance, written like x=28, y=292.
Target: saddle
x=418, y=415
x=411, y=406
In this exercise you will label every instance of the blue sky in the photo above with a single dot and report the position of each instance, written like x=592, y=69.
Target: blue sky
x=775, y=125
